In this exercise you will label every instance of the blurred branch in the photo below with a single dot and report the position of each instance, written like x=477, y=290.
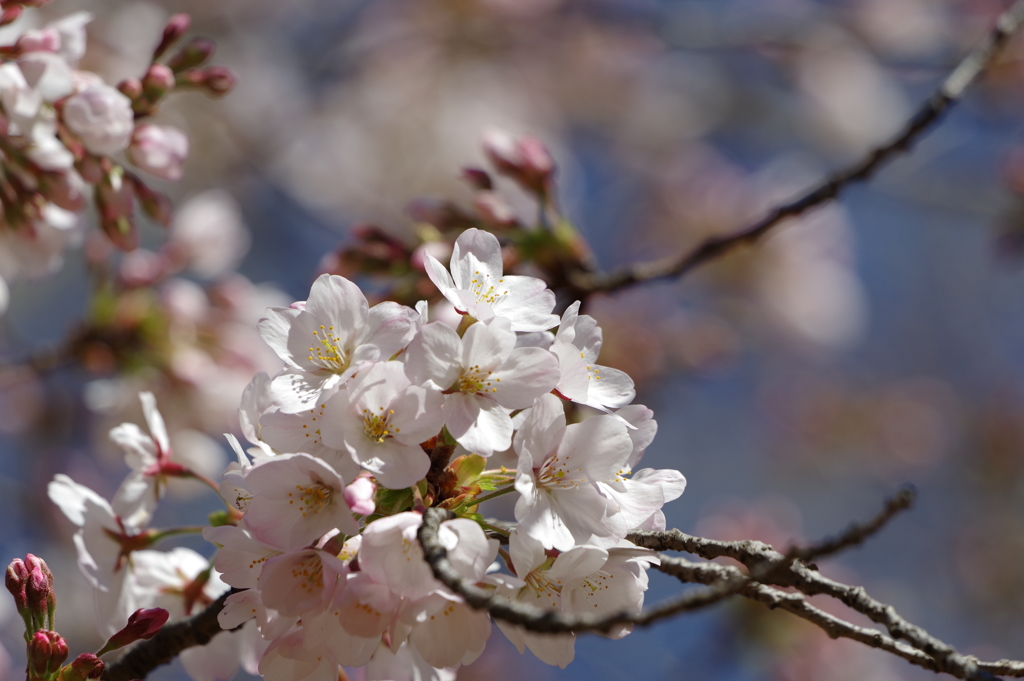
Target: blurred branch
x=168, y=644
x=951, y=91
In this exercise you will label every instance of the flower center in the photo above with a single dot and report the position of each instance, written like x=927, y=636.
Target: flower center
x=476, y=380
x=329, y=354
x=543, y=587
x=313, y=497
x=310, y=574
x=556, y=471
x=376, y=426
x=485, y=289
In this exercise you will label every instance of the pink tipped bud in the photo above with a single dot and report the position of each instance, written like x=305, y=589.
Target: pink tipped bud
x=17, y=583
x=526, y=160
x=193, y=54
x=11, y=14
x=38, y=590
x=159, y=150
x=359, y=496
x=219, y=80
x=46, y=653
x=130, y=88
x=175, y=27
x=142, y=624
x=158, y=81
x=85, y=666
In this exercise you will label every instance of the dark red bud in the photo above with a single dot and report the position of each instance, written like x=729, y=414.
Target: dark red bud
x=85, y=666
x=17, y=582
x=219, y=80
x=478, y=179
x=142, y=624
x=46, y=653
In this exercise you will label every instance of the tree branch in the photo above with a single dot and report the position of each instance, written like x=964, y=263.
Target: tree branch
x=797, y=604
x=856, y=533
x=951, y=91
x=168, y=644
x=547, y=621
x=771, y=567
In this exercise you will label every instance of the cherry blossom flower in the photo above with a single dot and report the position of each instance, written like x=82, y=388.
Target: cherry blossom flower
x=484, y=376
x=296, y=500
x=380, y=419
x=477, y=287
x=559, y=466
x=585, y=580
x=149, y=457
x=333, y=335
x=577, y=345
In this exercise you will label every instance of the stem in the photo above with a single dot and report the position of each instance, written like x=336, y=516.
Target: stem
x=466, y=322
x=495, y=495
x=492, y=528
x=174, y=531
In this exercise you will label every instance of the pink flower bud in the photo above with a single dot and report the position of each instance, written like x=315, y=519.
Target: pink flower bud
x=85, y=666
x=143, y=624
x=159, y=150
x=38, y=590
x=194, y=53
x=526, y=160
x=17, y=582
x=102, y=118
x=360, y=494
x=175, y=27
x=219, y=80
x=158, y=81
x=130, y=88
x=46, y=652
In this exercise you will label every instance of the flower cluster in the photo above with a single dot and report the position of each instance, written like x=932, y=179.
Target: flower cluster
x=67, y=136
x=347, y=446
x=352, y=439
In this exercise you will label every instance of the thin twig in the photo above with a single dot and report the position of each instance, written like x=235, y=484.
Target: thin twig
x=771, y=567
x=546, y=621
x=797, y=604
x=951, y=91
x=168, y=644
x=856, y=533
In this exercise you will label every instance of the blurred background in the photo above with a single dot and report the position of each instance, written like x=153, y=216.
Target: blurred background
x=872, y=343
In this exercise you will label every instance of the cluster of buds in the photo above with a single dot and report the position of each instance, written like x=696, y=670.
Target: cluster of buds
x=31, y=583
x=546, y=242
x=66, y=134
